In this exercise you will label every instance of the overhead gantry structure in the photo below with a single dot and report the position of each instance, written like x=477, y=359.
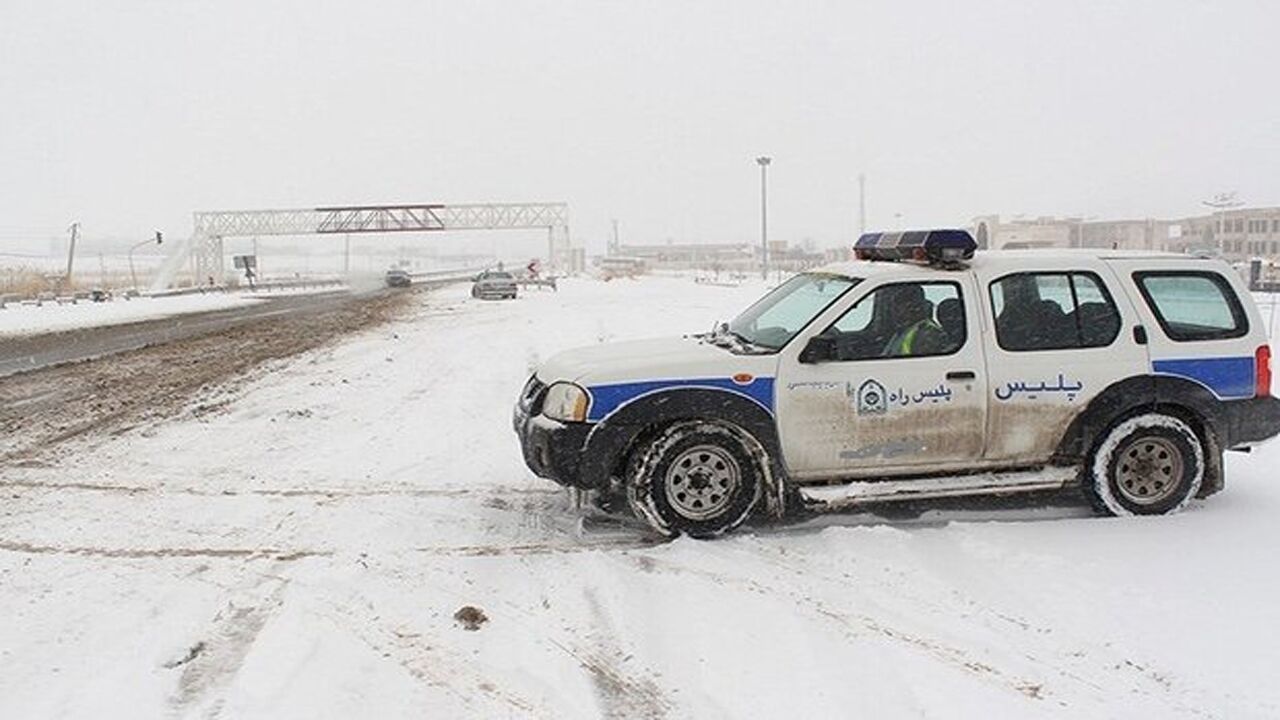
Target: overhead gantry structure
x=212, y=227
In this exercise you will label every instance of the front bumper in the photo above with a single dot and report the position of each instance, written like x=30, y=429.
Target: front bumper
x=551, y=449
x=1252, y=421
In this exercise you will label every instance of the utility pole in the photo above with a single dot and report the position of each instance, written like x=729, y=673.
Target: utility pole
x=617, y=247
x=71, y=252
x=763, y=161
x=862, y=204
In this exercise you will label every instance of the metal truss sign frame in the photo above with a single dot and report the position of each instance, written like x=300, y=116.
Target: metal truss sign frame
x=211, y=227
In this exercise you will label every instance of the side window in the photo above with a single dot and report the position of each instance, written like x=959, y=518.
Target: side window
x=1193, y=305
x=902, y=320
x=1053, y=311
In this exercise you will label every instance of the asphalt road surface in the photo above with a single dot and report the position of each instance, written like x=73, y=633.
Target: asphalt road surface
x=27, y=353
x=150, y=370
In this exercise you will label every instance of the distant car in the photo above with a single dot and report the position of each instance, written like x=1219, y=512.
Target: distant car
x=922, y=370
x=398, y=278
x=494, y=285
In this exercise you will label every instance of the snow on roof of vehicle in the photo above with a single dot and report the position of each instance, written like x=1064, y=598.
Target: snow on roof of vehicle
x=1022, y=259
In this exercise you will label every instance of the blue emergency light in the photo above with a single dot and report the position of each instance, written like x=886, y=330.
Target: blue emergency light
x=946, y=247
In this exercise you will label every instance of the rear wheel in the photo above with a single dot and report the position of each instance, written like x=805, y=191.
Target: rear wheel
x=700, y=479
x=1150, y=464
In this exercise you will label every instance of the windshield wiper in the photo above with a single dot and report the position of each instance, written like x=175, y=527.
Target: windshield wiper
x=734, y=340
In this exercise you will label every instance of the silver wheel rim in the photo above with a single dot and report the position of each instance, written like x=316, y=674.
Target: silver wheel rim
x=1149, y=470
x=701, y=482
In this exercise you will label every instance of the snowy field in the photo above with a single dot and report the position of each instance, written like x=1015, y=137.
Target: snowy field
x=51, y=317
x=302, y=555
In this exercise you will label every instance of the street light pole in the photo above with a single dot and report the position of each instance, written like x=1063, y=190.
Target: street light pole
x=158, y=239
x=763, y=161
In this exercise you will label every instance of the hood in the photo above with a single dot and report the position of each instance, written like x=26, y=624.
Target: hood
x=643, y=360
x=616, y=373
x=638, y=359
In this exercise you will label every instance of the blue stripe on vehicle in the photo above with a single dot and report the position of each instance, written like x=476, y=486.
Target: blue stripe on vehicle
x=1227, y=377
x=607, y=398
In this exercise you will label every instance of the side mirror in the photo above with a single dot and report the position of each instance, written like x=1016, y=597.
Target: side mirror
x=820, y=348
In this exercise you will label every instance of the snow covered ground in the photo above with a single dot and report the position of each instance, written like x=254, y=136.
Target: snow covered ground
x=302, y=554
x=51, y=317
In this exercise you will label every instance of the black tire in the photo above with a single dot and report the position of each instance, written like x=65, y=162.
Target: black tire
x=696, y=478
x=1149, y=464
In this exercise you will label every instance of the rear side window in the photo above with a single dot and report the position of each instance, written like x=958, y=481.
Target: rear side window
x=1053, y=311
x=1193, y=306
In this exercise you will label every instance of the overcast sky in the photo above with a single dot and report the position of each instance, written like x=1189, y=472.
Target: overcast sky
x=129, y=115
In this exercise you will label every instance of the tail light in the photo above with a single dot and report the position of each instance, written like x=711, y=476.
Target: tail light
x=1263, y=370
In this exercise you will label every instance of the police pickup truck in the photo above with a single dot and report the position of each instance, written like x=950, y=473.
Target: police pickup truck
x=922, y=369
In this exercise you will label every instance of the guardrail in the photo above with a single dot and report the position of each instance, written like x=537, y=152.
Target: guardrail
x=193, y=290
x=429, y=278
x=298, y=284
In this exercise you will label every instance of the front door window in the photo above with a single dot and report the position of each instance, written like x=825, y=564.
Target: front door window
x=901, y=320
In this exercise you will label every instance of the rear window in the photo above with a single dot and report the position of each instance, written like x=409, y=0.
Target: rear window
x=1193, y=306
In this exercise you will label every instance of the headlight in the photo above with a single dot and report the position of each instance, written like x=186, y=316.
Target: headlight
x=565, y=402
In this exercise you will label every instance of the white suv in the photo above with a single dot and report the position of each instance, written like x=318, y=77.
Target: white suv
x=921, y=370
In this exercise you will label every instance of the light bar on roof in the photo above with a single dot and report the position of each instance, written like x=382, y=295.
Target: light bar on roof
x=934, y=246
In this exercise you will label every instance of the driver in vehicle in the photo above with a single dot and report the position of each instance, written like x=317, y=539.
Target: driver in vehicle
x=917, y=332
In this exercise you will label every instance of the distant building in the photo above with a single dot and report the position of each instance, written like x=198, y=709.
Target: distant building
x=1054, y=232
x=739, y=257
x=1237, y=235
x=688, y=256
x=1044, y=232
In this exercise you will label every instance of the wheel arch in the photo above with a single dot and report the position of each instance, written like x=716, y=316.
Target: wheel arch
x=1185, y=399
x=627, y=428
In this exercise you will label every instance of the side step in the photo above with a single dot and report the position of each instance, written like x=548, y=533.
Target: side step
x=833, y=497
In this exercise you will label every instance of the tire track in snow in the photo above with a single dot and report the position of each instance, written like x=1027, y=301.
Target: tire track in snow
x=857, y=625
x=135, y=553
x=425, y=658
x=623, y=690
x=213, y=662
x=281, y=492
x=1150, y=682
x=624, y=693
x=1154, y=685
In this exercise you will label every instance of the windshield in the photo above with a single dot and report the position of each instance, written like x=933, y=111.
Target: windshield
x=776, y=318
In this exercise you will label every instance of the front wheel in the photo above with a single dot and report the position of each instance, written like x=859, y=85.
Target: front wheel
x=1150, y=464
x=700, y=479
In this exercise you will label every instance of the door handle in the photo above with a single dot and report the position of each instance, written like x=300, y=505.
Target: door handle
x=962, y=375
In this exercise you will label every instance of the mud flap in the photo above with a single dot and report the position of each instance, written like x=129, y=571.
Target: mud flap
x=1214, y=476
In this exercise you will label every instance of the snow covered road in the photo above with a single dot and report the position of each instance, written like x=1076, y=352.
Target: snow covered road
x=302, y=552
